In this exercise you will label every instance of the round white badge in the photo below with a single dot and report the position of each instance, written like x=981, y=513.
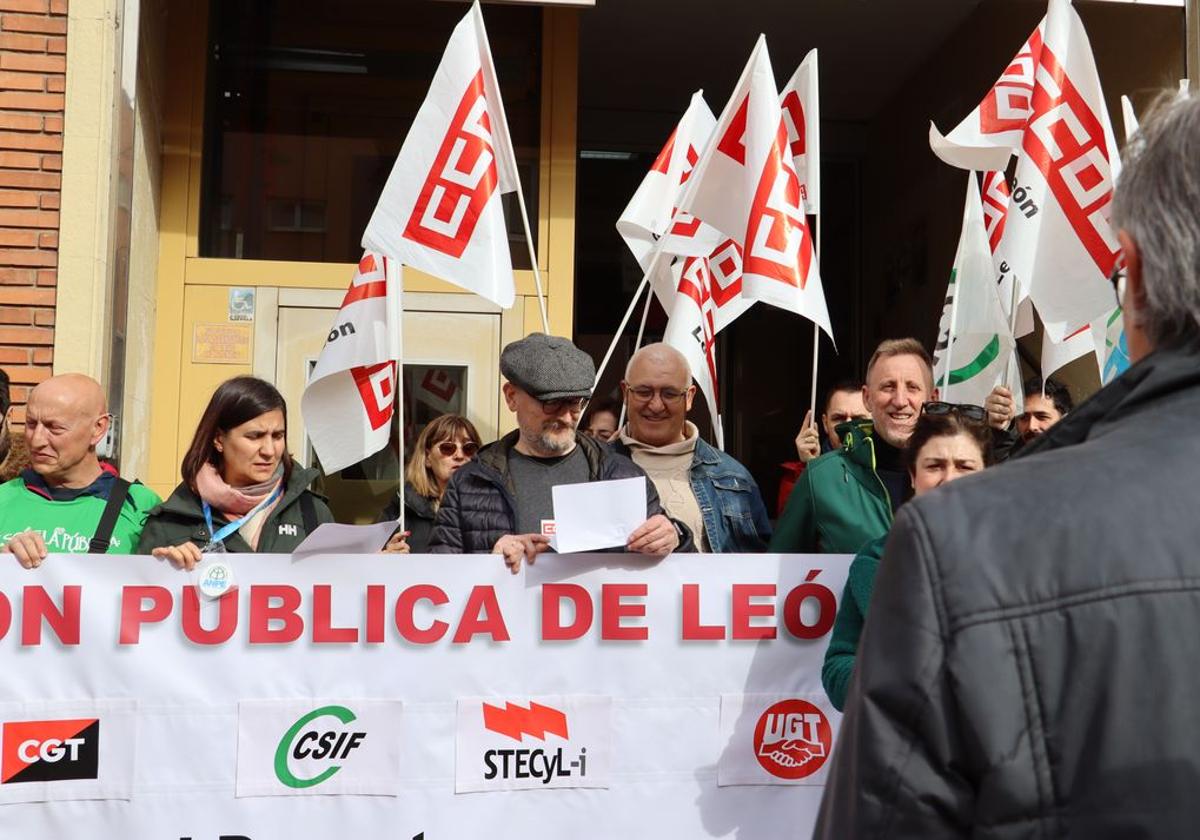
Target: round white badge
x=216, y=578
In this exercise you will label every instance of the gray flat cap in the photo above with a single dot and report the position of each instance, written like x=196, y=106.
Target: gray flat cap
x=548, y=367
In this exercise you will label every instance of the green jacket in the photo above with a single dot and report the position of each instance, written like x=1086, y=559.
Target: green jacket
x=181, y=518
x=847, y=627
x=68, y=527
x=839, y=504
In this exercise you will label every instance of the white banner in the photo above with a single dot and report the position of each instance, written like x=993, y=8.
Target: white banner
x=593, y=696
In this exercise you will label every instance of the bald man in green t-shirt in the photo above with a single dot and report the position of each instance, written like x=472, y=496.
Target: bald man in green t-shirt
x=67, y=502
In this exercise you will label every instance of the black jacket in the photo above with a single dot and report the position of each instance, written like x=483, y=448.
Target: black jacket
x=479, y=505
x=1027, y=668
x=181, y=518
x=419, y=516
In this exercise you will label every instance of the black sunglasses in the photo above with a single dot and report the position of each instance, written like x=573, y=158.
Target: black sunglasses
x=449, y=447
x=966, y=411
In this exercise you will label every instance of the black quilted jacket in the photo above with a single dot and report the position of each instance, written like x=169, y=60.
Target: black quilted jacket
x=479, y=506
x=1028, y=667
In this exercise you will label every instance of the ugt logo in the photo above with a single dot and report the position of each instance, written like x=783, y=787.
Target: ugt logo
x=792, y=739
x=461, y=181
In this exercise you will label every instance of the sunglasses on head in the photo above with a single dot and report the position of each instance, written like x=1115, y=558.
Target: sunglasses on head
x=449, y=447
x=966, y=411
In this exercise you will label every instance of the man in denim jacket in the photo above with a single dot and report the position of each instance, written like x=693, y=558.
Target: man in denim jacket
x=699, y=485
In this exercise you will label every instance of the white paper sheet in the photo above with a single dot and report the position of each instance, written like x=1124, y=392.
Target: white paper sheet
x=336, y=538
x=598, y=514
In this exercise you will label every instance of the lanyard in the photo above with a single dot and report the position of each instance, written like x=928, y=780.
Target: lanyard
x=226, y=530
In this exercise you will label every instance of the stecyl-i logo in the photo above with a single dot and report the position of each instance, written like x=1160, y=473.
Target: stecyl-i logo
x=541, y=763
x=533, y=743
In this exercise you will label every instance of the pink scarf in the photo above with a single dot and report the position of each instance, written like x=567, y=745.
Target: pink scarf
x=233, y=502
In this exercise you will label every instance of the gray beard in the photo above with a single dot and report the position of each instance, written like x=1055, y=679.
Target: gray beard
x=546, y=443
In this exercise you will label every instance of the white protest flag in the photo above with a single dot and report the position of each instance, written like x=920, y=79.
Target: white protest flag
x=440, y=210
x=1058, y=354
x=974, y=341
x=348, y=402
x=650, y=212
x=801, y=106
x=745, y=186
x=1049, y=110
x=692, y=330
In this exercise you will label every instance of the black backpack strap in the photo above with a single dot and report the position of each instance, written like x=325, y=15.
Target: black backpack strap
x=108, y=519
x=308, y=512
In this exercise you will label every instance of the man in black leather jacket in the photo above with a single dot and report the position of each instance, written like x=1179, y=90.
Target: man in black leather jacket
x=1026, y=669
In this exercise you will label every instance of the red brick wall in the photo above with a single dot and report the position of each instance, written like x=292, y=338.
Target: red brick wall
x=33, y=64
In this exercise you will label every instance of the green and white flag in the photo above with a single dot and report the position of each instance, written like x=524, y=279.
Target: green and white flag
x=975, y=345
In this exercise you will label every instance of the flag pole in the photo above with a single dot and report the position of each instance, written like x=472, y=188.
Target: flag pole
x=945, y=396
x=636, y=346
x=537, y=275
x=816, y=331
x=629, y=312
x=393, y=275
x=1012, y=327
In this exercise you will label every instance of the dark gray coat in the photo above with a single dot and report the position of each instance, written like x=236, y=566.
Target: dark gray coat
x=479, y=506
x=1027, y=669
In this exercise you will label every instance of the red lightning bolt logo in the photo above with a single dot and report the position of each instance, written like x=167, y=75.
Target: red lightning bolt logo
x=514, y=721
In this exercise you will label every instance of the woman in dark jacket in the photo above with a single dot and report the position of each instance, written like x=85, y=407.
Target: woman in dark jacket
x=948, y=442
x=240, y=492
x=444, y=445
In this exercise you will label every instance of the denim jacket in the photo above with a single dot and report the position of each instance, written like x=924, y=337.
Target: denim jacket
x=735, y=518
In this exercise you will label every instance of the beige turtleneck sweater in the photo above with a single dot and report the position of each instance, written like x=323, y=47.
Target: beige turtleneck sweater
x=668, y=467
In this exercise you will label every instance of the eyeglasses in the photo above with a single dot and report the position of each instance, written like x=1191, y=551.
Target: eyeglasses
x=1117, y=278
x=575, y=405
x=449, y=447
x=966, y=411
x=644, y=393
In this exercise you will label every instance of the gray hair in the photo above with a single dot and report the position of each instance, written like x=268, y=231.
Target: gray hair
x=1156, y=203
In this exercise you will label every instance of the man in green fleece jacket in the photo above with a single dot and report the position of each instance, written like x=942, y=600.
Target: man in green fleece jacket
x=846, y=498
x=61, y=504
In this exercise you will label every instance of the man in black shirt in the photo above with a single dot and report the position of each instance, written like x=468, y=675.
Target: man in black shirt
x=501, y=502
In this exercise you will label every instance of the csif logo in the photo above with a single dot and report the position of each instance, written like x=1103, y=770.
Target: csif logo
x=312, y=739
x=792, y=739
x=50, y=750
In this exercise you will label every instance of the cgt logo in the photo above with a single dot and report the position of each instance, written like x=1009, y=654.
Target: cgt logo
x=50, y=750
x=792, y=739
x=312, y=740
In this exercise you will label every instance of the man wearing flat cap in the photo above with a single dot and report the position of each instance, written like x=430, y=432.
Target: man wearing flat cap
x=498, y=502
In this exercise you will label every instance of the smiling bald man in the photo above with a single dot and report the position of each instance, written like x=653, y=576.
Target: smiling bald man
x=68, y=502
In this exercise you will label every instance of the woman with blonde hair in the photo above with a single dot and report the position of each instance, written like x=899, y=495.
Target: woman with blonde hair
x=445, y=444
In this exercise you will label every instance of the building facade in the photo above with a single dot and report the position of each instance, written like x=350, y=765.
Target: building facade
x=183, y=185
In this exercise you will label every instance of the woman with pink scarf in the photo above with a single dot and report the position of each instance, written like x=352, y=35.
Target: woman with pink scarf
x=241, y=491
